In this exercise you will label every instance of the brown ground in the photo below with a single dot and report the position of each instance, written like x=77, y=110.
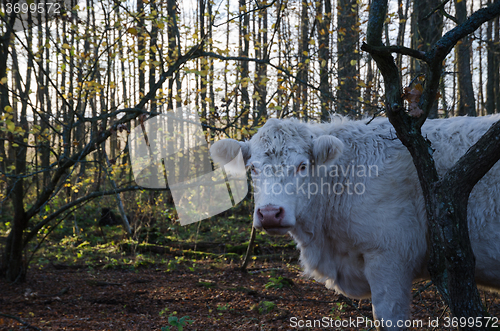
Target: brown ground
x=216, y=296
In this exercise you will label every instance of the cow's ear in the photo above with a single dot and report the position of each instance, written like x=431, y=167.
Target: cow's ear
x=327, y=149
x=226, y=150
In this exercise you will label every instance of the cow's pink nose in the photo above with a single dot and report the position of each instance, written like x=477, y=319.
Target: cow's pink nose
x=271, y=216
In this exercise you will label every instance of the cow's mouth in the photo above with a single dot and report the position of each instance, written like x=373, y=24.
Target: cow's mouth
x=277, y=230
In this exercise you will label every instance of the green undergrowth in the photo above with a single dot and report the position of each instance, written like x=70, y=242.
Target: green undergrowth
x=164, y=244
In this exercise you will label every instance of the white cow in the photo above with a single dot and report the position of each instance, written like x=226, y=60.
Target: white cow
x=348, y=193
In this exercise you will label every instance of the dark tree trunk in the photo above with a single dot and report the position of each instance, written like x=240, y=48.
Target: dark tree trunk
x=367, y=98
x=490, y=79
x=15, y=270
x=466, y=101
x=496, y=68
x=5, y=41
x=348, y=56
x=261, y=81
x=141, y=48
x=244, y=51
x=403, y=17
x=152, y=49
x=13, y=256
x=452, y=262
x=301, y=92
x=323, y=27
x=211, y=79
x=428, y=30
x=172, y=48
x=12, y=260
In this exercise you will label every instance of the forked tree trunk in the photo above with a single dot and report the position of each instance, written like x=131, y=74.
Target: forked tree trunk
x=451, y=264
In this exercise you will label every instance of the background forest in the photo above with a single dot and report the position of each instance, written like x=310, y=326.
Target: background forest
x=74, y=80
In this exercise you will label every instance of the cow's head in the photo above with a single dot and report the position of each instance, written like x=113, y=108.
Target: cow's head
x=283, y=156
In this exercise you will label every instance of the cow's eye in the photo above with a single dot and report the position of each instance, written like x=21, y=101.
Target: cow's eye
x=302, y=167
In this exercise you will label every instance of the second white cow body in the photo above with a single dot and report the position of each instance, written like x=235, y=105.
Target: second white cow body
x=349, y=195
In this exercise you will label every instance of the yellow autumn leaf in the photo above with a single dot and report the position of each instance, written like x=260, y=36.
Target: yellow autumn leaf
x=11, y=126
x=65, y=46
x=132, y=31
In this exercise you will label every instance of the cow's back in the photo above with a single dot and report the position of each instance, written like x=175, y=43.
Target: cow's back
x=392, y=211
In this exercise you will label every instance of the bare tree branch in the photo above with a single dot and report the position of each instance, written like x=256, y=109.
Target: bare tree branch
x=93, y=195
x=441, y=49
x=485, y=153
x=395, y=49
x=246, y=13
x=440, y=7
x=105, y=134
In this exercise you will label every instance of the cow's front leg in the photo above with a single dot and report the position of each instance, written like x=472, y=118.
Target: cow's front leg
x=391, y=297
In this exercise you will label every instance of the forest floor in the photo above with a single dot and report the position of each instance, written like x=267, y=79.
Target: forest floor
x=214, y=295
x=79, y=283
